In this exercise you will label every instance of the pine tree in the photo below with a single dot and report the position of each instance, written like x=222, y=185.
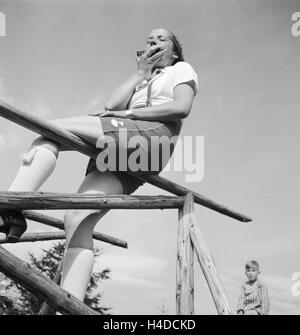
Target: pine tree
x=15, y=299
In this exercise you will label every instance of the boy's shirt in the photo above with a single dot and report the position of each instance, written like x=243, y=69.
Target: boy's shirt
x=254, y=297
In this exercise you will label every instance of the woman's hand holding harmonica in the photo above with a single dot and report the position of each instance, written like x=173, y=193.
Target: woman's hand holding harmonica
x=120, y=98
x=148, y=60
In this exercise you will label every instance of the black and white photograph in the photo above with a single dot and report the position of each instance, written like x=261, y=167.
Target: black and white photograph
x=149, y=160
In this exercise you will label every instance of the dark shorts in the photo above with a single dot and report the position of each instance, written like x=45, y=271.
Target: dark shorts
x=114, y=128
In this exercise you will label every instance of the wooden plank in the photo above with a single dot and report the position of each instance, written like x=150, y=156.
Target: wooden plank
x=45, y=308
x=199, y=199
x=51, y=131
x=39, y=284
x=57, y=223
x=38, y=237
x=46, y=128
x=42, y=200
x=185, y=261
x=209, y=270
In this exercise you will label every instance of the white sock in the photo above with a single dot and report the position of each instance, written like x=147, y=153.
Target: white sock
x=77, y=271
x=37, y=166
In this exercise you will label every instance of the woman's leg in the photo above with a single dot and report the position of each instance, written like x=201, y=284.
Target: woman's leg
x=79, y=226
x=40, y=160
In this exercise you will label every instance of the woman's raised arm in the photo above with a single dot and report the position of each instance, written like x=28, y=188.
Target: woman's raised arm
x=121, y=96
x=177, y=109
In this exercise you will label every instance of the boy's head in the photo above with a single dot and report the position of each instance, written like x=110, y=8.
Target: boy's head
x=252, y=270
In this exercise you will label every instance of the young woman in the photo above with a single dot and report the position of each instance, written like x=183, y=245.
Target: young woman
x=151, y=102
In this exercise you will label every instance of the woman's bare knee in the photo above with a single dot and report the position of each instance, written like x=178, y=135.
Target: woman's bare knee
x=101, y=182
x=61, y=122
x=67, y=123
x=79, y=224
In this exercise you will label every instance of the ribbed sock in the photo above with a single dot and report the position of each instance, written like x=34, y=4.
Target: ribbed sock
x=37, y=165
x=77, y=271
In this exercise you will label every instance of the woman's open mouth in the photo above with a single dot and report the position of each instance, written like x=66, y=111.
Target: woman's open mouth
x=154, y=52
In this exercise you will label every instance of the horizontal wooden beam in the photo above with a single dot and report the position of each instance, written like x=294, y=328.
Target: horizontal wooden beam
x=51, y=131
x=43, y=200
x=39, y=284
x=200, y=199
x=57, y=223
x=47, y=129
x=38, y=237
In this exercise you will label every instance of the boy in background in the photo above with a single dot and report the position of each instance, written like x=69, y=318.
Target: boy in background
x=254, y=298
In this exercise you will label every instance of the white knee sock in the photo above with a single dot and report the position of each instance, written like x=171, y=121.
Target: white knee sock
x=37, y=166
x=77, y=271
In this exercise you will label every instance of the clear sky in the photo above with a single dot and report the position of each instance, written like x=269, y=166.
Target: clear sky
x=63, y=58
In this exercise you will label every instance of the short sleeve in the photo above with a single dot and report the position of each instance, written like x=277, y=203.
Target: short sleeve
x=184, y=73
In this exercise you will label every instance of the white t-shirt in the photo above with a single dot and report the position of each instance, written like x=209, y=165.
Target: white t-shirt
x=163, y=85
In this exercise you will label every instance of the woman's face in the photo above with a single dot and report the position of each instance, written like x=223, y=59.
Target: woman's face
x=160, y=38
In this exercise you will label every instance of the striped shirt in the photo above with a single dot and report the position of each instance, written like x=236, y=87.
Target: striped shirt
x=254, y=297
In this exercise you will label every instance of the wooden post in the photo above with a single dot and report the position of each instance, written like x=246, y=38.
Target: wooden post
x=185, y=261
x=209, y=269
x=37, y=283
x=45, y=308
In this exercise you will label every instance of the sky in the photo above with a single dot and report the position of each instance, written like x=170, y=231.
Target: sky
x=63, y=58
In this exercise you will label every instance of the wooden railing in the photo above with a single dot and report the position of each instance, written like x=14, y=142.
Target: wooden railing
x=190, y=238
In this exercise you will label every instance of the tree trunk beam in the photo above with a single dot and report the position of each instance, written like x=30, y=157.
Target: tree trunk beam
x=185, y=261
x=45, y=308
x=199, y=199
x=37, y=283
x=209, y=269
x=44, y=200
x=37, y=237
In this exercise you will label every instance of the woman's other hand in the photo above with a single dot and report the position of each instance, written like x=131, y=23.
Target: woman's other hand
x=100, y=113
x=121, y=114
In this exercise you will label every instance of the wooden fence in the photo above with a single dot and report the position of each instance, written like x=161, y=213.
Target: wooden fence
x=190, y=240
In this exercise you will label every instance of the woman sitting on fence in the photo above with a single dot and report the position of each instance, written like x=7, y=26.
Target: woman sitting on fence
x=151, y=103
